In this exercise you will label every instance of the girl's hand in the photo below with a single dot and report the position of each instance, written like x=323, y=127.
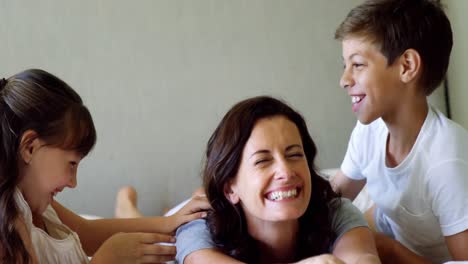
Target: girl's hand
x=195, y=209
x=322, y=259
x=135, y=248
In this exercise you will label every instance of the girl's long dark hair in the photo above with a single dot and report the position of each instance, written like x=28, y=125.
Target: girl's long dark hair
x=227, y=222
x=34, y=100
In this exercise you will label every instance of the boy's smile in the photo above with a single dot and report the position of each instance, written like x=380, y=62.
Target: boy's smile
x=357, y=100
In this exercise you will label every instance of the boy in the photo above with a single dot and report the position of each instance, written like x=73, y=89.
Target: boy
x=413, y=159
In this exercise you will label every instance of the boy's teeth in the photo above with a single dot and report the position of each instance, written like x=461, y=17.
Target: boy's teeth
x=280, y=195
x=356, y=99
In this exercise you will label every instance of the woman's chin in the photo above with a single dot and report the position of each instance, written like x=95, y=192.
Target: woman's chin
x=285, y=215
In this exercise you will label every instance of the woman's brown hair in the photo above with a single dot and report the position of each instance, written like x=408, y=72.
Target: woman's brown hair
x=227, y=222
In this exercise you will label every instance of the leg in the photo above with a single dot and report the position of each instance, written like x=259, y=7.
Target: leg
x=126, y=203
x=199, y=192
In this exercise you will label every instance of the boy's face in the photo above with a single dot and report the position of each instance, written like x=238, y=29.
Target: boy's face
x=375, y=88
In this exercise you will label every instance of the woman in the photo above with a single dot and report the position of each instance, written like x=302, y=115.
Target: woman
x=269, y=203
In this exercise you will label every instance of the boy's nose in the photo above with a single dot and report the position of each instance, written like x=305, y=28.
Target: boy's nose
x=346, y=80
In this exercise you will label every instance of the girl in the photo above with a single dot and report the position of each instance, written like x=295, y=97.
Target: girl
x=45, y=131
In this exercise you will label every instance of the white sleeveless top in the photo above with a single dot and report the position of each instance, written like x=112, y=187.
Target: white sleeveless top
x=61, y=245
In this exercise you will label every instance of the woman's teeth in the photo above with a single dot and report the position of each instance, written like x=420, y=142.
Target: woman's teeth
x=280, y=195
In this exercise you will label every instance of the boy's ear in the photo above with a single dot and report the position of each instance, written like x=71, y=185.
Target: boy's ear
x=28, y=145
x=410, y=62
x=231, y=194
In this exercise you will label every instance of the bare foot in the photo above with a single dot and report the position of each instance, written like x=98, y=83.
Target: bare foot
x=199, y=192
x=126, y=203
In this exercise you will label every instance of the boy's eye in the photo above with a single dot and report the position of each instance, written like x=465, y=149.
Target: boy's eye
x=357, y=65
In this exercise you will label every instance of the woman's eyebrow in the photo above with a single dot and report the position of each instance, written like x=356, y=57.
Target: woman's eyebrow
x=265, y=151
x=293, y=146
x=261, y=151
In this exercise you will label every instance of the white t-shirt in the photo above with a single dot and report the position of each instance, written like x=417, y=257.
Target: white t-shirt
x=425, y=197
x=59, y=245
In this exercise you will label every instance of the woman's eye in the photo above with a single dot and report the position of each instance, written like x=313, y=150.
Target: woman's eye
x=73, y=164
x=296, y=155
x=261, y=161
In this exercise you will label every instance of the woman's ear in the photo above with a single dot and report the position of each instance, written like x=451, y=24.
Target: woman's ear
x=28, y=145
x=231, y=194
x=410, y=62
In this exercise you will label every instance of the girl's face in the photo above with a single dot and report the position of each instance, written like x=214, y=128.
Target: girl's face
x=273, y=182
x=48, y=170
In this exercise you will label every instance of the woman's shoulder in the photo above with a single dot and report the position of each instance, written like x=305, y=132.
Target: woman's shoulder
x=345, y=216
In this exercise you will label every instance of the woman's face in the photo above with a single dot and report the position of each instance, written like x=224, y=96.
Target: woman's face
x=273, y=182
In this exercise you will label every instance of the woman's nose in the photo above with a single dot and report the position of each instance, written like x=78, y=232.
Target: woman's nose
x=284, y=170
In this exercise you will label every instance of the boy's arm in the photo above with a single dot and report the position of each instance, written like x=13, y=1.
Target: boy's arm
x=354, y=247
x=458, y=245
x=348, y=187
x=392, y=251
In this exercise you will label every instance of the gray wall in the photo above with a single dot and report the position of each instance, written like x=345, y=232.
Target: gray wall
x=457, y=73
x=159, y=75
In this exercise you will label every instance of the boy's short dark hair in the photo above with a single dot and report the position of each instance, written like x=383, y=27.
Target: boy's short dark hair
x=398, y=25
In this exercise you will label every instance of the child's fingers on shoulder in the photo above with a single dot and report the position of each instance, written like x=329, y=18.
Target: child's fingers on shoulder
x=150, y=238
x=195, y=216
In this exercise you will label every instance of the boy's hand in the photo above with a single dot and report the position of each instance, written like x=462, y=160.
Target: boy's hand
x=135, y=248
